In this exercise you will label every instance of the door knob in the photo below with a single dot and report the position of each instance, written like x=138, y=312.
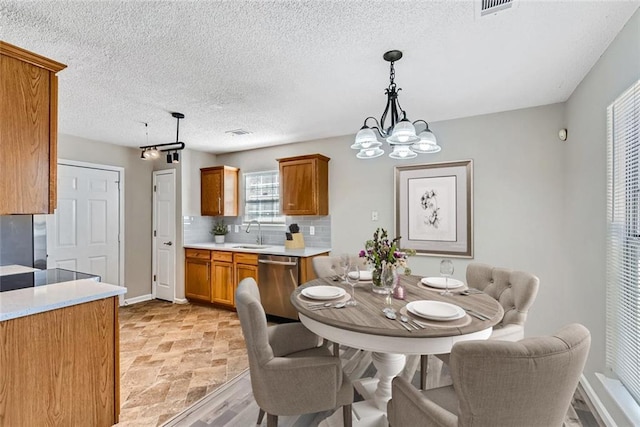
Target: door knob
x=168, y=243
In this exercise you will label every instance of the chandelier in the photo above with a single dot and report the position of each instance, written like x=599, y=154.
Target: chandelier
x=401, y=133
x=151, y=152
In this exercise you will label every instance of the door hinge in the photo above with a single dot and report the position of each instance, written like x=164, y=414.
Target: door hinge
x=155, y=233
x=155, y=188
x=118, y=182
x=154, y=278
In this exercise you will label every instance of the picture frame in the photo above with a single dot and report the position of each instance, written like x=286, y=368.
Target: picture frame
x=434, y=208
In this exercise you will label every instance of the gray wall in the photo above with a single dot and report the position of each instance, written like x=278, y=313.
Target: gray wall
x=137, y=268
x=518, y=173
x=585, y=192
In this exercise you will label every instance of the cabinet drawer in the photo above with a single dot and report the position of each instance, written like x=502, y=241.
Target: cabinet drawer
x=251, y=259
x=197, y=253
x=222, y=256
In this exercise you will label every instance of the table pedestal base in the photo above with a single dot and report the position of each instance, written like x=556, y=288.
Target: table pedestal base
x=372, y=412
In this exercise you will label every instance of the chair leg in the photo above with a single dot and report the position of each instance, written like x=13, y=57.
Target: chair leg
x=424, y=364
x=260, y=416
x=272, y=420
x=336, y=349
x=346, y=415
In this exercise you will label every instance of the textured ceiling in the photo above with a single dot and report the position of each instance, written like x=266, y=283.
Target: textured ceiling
x=298, y=70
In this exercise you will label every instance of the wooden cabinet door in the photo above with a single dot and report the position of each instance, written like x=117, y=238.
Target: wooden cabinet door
x=211, y=192
x=219, y=191
x=197, y=283
x=304, y=185
x=223, y=287
x=243, y=271
x=28, y=153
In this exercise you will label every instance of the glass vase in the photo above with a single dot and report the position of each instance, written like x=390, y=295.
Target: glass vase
x=376, y=282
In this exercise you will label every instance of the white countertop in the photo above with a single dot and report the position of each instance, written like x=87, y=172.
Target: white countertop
x=270, y=249
x=6, y=270
x=24, y=302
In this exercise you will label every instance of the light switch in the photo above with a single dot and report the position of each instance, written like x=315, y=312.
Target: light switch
x=374, y=215
x=236, y=228
x=312, y=230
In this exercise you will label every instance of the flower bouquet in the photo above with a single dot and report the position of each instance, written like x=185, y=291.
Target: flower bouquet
x=380, y=252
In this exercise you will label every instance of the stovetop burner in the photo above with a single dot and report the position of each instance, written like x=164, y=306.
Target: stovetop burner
x=41, y=278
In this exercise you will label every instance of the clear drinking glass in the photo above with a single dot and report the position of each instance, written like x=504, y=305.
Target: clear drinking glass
x=353, y=276
x=344, y=263
x=446, y=271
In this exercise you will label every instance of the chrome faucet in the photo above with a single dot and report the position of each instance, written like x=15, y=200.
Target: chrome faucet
x=255, y=221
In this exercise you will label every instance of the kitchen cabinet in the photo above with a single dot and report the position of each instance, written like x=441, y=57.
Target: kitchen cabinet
x=223, y=289
x=61, y=367
x=304, y=185
x=219, y=191
x=245, y=265
x=28, y=153
x=198, y=274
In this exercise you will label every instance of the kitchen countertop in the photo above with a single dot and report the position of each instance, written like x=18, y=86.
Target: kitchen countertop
x=6, y=270
x=268, y=250
x=28, y=301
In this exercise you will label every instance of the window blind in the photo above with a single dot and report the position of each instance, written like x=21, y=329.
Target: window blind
x=623, y=239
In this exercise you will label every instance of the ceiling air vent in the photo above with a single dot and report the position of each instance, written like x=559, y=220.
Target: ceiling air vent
x=238, y=132
x=491, y=7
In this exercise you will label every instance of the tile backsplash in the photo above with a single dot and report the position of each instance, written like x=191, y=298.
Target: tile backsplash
x=196, y=230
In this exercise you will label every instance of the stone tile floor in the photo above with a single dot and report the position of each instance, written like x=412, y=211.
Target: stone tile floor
x=172, y=355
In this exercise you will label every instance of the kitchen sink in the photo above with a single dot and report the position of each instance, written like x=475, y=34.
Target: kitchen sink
x=252, y=246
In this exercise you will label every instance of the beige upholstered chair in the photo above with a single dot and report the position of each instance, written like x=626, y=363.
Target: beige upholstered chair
x=499, y=383
x=514, y=290
x=326, y=266
x=290, y=373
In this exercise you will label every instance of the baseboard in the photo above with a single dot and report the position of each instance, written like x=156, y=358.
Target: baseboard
x=136, y=300
x=597, y=403
x=180, y=301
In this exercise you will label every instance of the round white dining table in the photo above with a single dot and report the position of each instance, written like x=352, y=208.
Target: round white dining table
x=365, y=327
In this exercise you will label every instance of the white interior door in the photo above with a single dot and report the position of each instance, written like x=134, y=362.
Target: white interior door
x=83, y=234
x=164, y=234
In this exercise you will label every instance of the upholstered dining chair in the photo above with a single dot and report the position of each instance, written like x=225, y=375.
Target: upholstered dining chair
x=291, y=374
x=499, y=383
x=514, y=290
x=327, y=266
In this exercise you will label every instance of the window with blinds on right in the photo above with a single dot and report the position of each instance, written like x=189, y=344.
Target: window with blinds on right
x=623, y=239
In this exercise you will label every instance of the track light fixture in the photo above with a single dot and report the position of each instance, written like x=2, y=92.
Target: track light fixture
x=401, y=133
x=151, y=152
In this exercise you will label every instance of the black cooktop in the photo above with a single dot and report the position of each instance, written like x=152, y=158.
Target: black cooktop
x=41, y=278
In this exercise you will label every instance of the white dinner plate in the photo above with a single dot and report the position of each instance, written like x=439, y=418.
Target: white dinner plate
x=323, y=292
x=435, y=310
x=438, y=282
x=365, y=275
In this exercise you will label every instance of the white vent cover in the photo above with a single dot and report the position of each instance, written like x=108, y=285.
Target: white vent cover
x=238, y=132
x=491, y=7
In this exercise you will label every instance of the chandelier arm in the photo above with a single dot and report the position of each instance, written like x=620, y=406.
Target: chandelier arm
x=422, y=121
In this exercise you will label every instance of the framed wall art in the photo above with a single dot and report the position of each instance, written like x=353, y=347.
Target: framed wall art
x=434, y=208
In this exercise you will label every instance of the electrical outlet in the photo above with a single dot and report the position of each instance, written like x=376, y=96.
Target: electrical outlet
x=236, y=228
x=374, y=215
x=312, y=230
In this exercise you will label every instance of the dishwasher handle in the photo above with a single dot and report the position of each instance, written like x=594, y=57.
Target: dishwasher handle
x=266, y=261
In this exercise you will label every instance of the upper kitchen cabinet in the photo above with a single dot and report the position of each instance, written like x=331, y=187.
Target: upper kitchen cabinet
x=28, y=131
x=219, y=191
x=304, y=185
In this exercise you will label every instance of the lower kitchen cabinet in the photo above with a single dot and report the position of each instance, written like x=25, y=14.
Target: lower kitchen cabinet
x=198, y=275
x=245, y=265
x=222, y=286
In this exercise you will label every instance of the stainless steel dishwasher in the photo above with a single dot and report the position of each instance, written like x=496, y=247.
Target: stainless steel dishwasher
x=277, y=279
